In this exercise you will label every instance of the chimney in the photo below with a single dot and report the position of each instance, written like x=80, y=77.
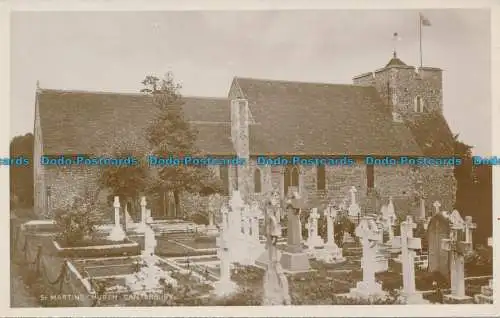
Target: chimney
x=240, y=138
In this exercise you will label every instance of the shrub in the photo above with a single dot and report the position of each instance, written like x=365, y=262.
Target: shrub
x=77, y=223
x=480, y=262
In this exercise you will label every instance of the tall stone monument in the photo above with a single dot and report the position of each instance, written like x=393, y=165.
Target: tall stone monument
x=294, y=259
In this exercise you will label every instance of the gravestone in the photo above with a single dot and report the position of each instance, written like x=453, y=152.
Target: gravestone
x=275, y=282
x=423, y=214
x=381, y=261
x=367, y=231
x=117, y=233
x=354, y=209
x=458, y=249
x=313, y=239
x=225, y=286
x=486, y=295
x=215, y=203
x=255, y=214
x=293, y=258
x=330, y=253
x=438, y=228
x=141, y=227
x=149, y=244
x=150, y=275
x=469, y=226
x=408, y=245
x=238, y=231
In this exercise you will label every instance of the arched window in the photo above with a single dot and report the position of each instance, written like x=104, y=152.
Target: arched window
x=257, y=181
x=419, y=104
x=320, y=177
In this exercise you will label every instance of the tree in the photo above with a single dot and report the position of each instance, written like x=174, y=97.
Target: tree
x=170, y=134
x=21, y=177
x=126, y=181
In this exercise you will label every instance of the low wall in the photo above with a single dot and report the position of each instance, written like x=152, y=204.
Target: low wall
x=36, y=250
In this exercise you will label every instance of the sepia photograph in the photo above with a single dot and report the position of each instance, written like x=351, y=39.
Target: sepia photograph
x=251, y=158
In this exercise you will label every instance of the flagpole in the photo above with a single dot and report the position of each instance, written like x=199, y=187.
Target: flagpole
x=420, y=37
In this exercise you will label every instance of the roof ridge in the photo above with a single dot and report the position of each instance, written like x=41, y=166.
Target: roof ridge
x=77, y=91
x=80, y=91
x=296, y=82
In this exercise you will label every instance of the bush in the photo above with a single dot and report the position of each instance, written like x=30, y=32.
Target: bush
x=79, y=222
x=480, y=262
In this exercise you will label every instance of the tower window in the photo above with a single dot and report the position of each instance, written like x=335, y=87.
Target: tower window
x=419, y=104
x=320, y=177
x=257, y=181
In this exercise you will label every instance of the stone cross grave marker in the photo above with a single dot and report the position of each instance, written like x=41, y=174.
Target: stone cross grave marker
x=225, y=286
x=254, y=227
x=331, y=214
x=149, y=244
x=408, y=245
x=117, y=233
x=142, y=225
x=458, y=250
x=275, y=282
x=246, y=220
x=235, y=216
x=469, y=227
x=313, y=239
x=390, y=208
x=436, y=205
x=368, y=233
x=354, y=209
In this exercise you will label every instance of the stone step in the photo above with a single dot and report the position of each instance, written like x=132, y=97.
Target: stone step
x=487, y=290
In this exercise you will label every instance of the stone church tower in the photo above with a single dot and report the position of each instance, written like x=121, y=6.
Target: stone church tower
x=409, y=90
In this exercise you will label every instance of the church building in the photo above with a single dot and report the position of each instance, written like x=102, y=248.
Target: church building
x=394, y=111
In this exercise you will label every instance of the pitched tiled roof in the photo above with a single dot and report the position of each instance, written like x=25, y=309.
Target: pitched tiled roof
x=76, y=122
x=317, y=118
x=432, y=133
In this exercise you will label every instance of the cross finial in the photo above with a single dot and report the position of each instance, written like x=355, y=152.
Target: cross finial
x=437, y=205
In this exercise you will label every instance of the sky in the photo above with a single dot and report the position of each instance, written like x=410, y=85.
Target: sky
x=114, y=51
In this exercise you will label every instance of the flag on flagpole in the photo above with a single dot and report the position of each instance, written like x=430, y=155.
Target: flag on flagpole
x=424, y=21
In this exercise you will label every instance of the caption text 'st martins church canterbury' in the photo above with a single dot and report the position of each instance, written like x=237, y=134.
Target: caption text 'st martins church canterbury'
x=394, y=111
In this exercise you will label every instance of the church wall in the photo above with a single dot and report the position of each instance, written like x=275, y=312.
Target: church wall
x=67, y=182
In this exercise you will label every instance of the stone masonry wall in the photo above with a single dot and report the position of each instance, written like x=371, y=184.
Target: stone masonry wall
x=405, y=84
x=66, y=182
